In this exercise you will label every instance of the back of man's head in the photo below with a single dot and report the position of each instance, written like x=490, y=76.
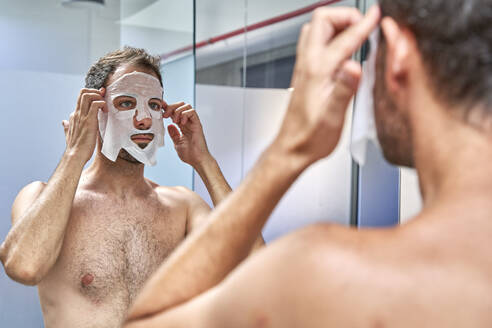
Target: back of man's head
x=455, y=41
x=100, y=71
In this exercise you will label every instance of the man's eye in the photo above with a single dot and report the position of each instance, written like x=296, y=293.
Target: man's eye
x=155, y=106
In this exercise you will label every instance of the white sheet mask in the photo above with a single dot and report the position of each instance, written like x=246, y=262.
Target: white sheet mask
x=116, y=126
x=364, y=124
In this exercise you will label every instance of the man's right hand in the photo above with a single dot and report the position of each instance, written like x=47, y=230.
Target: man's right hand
x=325, y=80
x=81, y=131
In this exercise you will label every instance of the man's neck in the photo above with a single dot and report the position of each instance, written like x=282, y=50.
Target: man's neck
x=120, y=177
x=452, y=157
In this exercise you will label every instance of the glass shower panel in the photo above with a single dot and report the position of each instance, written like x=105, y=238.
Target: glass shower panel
x=323, y=192
x=165, y=28
x=220, y=42
x=219, y=89
x=245, y=97
x=273, y=30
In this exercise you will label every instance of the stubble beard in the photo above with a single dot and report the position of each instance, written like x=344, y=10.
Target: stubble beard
x=124, y=155
x=392, y=125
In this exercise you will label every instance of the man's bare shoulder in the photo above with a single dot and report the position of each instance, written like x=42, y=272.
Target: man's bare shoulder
x=26, y=197
x=318, y=275
x=197, y=209
x=177, y=193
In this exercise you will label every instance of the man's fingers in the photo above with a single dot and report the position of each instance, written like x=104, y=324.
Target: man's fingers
x=65, y=125
x=350, y=74
x=101, y=91
x=303, y=38
x=167, y=113
x=300, y=52
x=95, y=106
x=79, y=98
x=87, y=100
x=169, y=109
x=164, y=106
x=327, y=22
x=71, y=123
x=105, y=109
x=188, y=115
x=347, y=42
x=176, y=105
x=174, y=133
x=346, y=84
x=177, y=113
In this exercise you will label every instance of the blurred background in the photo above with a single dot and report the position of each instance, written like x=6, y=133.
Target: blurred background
x=231, y=59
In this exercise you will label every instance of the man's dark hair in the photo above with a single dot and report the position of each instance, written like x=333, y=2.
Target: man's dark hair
x=455, y=40
x=100, y=70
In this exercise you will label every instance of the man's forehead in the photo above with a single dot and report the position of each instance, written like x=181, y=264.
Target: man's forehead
x=137, y=82
x=128, y=68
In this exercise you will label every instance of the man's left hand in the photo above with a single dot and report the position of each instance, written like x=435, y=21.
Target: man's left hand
x=189, y=140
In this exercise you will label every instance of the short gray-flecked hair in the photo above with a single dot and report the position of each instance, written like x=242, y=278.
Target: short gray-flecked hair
x=99, y=72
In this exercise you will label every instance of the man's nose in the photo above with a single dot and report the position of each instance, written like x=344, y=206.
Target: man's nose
x=144, y=123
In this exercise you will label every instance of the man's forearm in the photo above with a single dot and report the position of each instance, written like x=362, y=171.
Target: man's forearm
x=208, y=255
x=218, y=188
x=34, y=242
x=214, y=180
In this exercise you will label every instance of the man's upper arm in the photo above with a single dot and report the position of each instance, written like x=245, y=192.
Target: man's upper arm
x=26, y=198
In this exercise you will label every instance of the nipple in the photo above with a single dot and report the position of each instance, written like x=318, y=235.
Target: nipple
x=87, y=279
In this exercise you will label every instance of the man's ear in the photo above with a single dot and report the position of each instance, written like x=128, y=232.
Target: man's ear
x=397, y=53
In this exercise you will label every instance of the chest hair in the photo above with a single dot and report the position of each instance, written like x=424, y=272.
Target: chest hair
x=111, y=248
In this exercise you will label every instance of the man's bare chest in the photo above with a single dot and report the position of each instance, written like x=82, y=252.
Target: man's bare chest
x=112, y=246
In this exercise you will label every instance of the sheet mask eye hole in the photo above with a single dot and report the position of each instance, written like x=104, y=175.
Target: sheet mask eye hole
x=155, y=105
x=124, y=103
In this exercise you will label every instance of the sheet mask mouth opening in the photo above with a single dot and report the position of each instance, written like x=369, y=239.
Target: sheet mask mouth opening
x=142, y=140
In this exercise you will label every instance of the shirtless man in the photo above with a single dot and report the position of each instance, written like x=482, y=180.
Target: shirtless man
x=90, y=238
x=433, y=100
